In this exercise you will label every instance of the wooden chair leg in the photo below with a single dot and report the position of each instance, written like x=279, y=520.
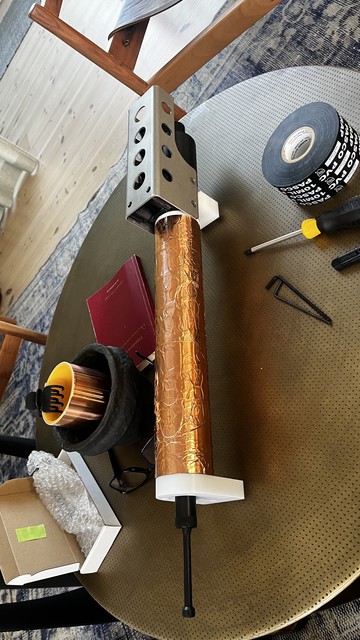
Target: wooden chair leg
x=54, y=6
x=9, y=348
x=6, y=319
x=9, y=328
x=126, y=43
x=8, y=353
x=89, y=49
x=103, y=59
x=211, y=41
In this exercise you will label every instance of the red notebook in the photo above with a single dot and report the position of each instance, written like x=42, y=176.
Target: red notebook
x=122, y=312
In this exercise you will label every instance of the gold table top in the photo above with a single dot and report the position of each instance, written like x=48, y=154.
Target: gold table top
x=283, y=389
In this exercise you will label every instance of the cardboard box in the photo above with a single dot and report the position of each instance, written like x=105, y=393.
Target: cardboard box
x=58, y=553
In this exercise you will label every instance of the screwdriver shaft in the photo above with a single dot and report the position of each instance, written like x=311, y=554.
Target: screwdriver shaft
x=292, y=234
x=347, y=216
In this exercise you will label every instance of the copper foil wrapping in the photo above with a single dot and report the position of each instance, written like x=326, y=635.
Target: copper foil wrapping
x=183, y=430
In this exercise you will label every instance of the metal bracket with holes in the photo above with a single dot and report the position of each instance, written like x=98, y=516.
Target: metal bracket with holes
x=162, y=170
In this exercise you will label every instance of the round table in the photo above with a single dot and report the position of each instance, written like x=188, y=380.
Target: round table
x=283, y=388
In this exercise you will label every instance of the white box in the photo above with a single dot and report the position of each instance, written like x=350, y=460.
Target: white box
x=59, y=552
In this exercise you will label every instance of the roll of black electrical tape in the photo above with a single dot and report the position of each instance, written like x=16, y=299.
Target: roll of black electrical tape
x=312, y=154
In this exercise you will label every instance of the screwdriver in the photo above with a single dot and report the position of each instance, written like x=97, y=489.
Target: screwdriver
x=347, y=216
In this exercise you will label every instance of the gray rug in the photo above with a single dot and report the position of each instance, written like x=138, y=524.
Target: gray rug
x=297, y=33
x=13, y=28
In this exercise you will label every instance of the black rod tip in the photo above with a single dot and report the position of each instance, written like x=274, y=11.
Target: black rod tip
x=188, y=611
x=248, y=252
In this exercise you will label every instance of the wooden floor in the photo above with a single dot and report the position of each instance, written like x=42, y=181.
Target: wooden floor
x=72, y=116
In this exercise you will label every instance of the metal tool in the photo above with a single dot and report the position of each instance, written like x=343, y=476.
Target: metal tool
x=347, y=216
x=316, y=313
x=352, y=257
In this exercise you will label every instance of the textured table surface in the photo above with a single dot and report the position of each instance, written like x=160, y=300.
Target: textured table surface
x=283, y=389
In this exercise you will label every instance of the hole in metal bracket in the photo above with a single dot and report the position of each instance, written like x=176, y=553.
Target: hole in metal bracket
x=139, y=135
x=167, y=175
x=139, y=180
x=166, y=151
x=140, y=114
x=166, y=107
x=139, y=157
x=166, y=129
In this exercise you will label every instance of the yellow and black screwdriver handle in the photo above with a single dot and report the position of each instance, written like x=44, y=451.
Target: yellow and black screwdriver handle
x=347, y=216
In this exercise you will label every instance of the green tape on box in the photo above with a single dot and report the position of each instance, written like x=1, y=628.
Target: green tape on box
x=36, y=532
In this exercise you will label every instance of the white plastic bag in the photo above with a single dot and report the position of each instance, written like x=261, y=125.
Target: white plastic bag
x=65, y=496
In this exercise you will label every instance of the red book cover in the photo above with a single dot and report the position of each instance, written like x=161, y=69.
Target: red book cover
x=122, y=312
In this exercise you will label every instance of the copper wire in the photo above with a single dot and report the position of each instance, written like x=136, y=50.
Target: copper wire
x=87, y=399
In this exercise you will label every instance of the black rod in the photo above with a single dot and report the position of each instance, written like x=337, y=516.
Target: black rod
x=188, y=609
x=185, y=519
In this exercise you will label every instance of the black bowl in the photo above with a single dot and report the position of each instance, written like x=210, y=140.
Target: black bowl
x=129, y=411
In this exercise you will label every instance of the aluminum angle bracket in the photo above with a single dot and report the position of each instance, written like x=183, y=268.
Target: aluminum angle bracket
x=162, y=170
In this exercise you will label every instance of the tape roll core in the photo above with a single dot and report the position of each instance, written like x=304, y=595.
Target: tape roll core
x=312, y=154
x=298, y=144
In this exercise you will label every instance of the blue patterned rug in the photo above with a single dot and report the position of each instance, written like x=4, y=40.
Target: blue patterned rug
x=297, y=33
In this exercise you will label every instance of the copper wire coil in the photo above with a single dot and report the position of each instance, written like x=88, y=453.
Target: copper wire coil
x=86, y=394
x=183, y=430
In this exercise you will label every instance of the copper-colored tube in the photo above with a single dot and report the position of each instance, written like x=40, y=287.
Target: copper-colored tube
x=183, y=430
